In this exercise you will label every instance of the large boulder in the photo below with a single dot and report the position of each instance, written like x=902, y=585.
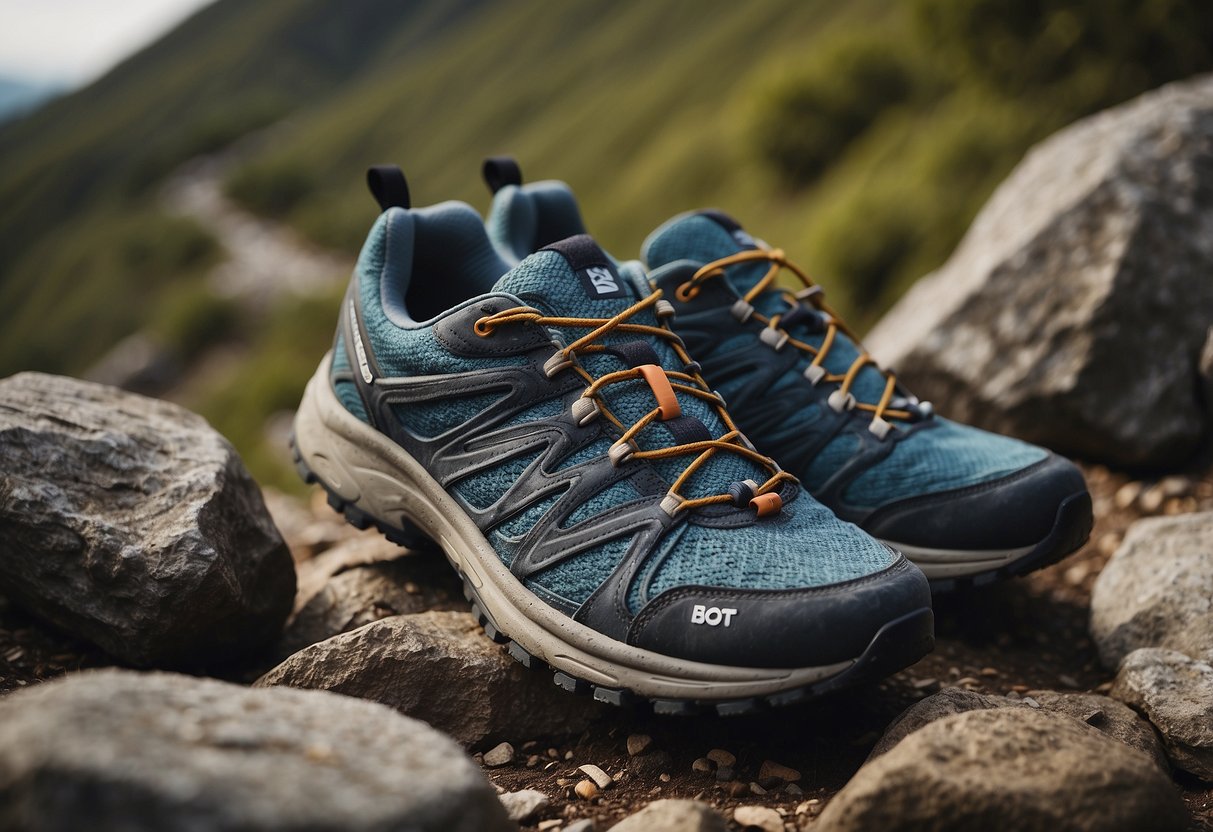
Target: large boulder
x=1157, y=590
x=119, y=750
x=131, y=523
x=440, y=667
x=1075, y=310
x=1175, y=692
x=1007, y=768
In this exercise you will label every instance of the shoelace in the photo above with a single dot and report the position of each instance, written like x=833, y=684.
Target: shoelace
x=664, y=383
x=777, y=337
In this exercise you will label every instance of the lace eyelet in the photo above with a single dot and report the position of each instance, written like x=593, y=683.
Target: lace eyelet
x=686, y=291
x=480, y=329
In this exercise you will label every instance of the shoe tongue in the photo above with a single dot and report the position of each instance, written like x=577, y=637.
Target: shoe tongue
x=573, y=278
x=701, y=237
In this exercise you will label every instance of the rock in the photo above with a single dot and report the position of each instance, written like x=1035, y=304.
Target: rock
x=316, y=571
x=131, y=523
x=499, y=755
x=523, y=804
x=1007, y=768
x=673, y=816
x=1115, y=720
x=439, y=667
x=410, y=583
x=762, y=818
x=120, y=750
x=1157, y=590
x=587, y=790
x=1175, y=692
x=772, y=770
x=701, y=764
x=601, y=779
x=722, y=758
x=1073, y=311
x=638, y=744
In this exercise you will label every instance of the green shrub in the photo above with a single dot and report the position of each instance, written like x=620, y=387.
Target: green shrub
x=806, y=120
x=191, y=318
x=272, y=188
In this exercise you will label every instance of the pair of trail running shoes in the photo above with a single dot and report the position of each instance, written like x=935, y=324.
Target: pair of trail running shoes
x=675, y=481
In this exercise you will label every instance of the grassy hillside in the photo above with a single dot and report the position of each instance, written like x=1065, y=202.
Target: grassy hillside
x=860, y=136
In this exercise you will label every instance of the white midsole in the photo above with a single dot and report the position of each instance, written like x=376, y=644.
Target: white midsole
x=367, y=469
x=957, y=563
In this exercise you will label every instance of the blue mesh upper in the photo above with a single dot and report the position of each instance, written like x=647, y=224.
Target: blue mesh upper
x=943, y=458
x=803, y=546
x=347, y=391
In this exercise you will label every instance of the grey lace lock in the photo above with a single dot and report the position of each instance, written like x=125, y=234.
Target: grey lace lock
x=671, y=504
x=840, y=401
x=925, y=410
x=585, y=410
x=664, y=309
x=814, y=373
x=773, y=338
x=556, y=363
x=879, y=428
x=742, y=492
x=621, y=452
x=741, y=310
x=809, y=292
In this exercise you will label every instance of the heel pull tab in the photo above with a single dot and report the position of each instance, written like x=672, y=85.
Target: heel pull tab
x=388, y=186
x=499, y=171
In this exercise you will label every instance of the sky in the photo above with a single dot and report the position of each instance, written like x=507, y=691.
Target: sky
x=72, y=42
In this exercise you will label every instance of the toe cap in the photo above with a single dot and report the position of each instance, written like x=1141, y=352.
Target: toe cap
x=1016, y=510
x=792, y=628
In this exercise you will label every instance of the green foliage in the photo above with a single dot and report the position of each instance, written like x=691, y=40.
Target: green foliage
x=272, y=187
x=803, y=122
x=190, y=318
x=283, y=354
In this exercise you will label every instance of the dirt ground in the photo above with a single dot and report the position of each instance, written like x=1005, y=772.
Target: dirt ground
x=1008, y=639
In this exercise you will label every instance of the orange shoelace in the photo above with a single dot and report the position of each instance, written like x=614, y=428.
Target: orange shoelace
x=763, y=498
x=840, y=399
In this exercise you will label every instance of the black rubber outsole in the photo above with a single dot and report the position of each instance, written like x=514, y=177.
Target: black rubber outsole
x=897, y=645
x=1071, y=529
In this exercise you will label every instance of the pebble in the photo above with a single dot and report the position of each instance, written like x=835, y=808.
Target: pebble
x=545, y=825
x=722, y=758
x=758, y=817
x=532, y=761
x=724, y=774
x=757, y=789
x=663, y=777
x=1151, y=500
x=1127, y=494
x=586, y=790
x=792, y=790
x=738, y=789
x=1068, y=681
x=523, y=804
x=600, y=777
x=773, y=769
x=583, y=825
x=638, y=744
x=925, y=684
x=499, y=755
x=702, y=764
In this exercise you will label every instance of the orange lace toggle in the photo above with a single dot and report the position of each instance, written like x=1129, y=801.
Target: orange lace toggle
x=667, y=403
x=767, y=504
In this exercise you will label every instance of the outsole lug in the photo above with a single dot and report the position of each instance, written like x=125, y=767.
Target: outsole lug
x=880, y=659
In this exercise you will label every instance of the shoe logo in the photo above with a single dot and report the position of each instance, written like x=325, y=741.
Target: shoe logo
x=712, y=616
x=601, y=282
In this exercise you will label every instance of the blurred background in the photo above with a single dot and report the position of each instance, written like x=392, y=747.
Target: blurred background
x=181, y=183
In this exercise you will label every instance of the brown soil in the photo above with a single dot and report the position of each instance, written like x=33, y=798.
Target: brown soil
x=1007, y=639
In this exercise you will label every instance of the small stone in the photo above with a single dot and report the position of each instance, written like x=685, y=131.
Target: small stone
x=553, y=823
x=721, y=757
x=568, y=755
x=1127, y=494
x=792, y=790
x=638, y=744
x=755, y=788
x=925, y=684
x=702, y=764
x=532, y=761
x=600, y=777
x=523, y=804
x=737, y=789
x=989, y=671
x=673, y=816
x=499, y=755
x=761, y=818
x=583, y=825
x=1175, y=693
x=774, y=770
x=724, y=774
x=663, y=777
x=1151, y=501
x=586, y=790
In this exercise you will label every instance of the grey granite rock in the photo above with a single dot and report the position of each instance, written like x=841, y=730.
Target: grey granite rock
x=120, y=750
x=673, y=816
x=1074, y=310
x=1157, y=590
x=440, y=667
x=131, y=523
x=1175, y=692
x=1007, y=768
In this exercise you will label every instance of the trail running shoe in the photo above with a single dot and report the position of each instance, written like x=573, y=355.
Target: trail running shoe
x=966, y=506
x=545, y=427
